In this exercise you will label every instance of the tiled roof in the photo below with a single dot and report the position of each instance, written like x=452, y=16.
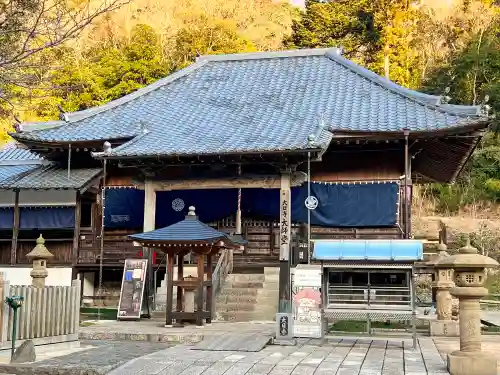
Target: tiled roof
x=189, y=229
x=11, y=154
x=50, y=177
x=10, y=172
x=256, y=103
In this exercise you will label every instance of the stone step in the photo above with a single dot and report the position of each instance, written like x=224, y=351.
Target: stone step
x=239, y=292
x=245, y=278
x=242, y=285
x=247, y=299
x=244, y=316
x=230, y=307
x=272, y=278
x=267, y=292
x=221, y=299
x=271, y=271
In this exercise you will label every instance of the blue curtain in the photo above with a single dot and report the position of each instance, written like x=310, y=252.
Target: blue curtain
x=39, y=217
x=340, y=205
x=125, y=207
x=47, y=217
x=6, y=218
x=210, y=204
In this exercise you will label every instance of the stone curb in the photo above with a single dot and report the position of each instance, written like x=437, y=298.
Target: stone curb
x=150, y=337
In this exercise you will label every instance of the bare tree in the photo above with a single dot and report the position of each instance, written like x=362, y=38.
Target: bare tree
x=28, y=27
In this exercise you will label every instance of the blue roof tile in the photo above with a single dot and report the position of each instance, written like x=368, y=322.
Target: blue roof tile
x=12, y=172
x=256, y=103
x=10, y=154
x=50, y=177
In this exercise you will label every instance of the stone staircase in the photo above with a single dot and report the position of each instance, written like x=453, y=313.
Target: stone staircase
x=249, y=297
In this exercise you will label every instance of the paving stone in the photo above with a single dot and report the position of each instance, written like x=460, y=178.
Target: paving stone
x=194, y=370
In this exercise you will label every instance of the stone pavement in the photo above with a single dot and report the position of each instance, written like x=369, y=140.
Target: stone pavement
x=311, y=357
x=154, y=330
x=101, y=358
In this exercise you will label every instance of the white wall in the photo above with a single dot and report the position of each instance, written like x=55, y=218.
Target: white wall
x=38, y=198
x=60, y=276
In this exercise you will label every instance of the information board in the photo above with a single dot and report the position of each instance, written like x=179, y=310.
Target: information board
x=133, y=283
x=307, y=304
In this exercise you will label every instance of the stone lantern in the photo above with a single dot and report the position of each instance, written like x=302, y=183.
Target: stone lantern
x=39, y=256
x=470, y=276
x=443, y=282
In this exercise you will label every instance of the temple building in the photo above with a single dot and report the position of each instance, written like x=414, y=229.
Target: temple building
x=245, y=139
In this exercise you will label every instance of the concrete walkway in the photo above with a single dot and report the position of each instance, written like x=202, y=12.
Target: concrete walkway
x=318, y=357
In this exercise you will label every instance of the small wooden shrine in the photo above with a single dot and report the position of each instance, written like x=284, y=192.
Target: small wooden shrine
x=194, y=294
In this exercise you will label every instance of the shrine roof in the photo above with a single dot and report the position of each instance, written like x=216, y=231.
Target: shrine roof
x=13, y=154
x=255, y=103
x=49, y=177
x=188, y=230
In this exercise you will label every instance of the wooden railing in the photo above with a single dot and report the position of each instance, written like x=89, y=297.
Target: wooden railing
x=222, y=269
x=117, y=247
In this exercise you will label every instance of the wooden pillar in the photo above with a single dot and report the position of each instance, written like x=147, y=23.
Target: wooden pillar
x=199, y=297
x=180, y=276
x=284, y=239
x=209, y=287
x=170, y=289
x=76, y=235
x=15, y=228
x=149, y=225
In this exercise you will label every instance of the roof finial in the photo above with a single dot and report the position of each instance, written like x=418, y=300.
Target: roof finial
x=191, y=211
x=485, y=108
x=107, y=147
x=62, y=113
x=445, y=99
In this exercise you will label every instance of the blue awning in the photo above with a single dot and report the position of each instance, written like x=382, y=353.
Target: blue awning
x=379, y=250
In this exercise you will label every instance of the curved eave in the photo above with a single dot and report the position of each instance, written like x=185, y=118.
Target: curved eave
x=475, y=124
x=185, y=246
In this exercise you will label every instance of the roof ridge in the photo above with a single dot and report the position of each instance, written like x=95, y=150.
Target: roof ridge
x=269, y=55
x=432, y=101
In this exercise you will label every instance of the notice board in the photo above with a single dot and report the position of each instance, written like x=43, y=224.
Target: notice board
x=133, y=284
x=307, y=304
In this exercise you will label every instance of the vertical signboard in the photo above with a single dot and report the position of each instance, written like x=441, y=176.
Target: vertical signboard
x=307, y=304
x=285, y=218
x=284, y=326
x=133, y=283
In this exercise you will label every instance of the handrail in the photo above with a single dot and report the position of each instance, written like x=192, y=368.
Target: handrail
x=222, y=269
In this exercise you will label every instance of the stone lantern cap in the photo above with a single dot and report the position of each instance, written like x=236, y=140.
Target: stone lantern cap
x=441, y=254
x=467, y=257
x=39, y=251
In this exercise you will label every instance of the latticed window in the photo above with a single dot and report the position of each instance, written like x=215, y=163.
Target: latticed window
x=469, y=279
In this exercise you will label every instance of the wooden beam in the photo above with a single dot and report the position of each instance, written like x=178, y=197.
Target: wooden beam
x=170, y=290
x=76, y=236
x=180, y=276
x=199, y=297
x=284, y=241
x=243, y=182
x=209, y=287
x=15, y=229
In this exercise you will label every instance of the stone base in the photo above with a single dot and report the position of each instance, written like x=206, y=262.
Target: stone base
x=460, y=363
x=449, y=328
